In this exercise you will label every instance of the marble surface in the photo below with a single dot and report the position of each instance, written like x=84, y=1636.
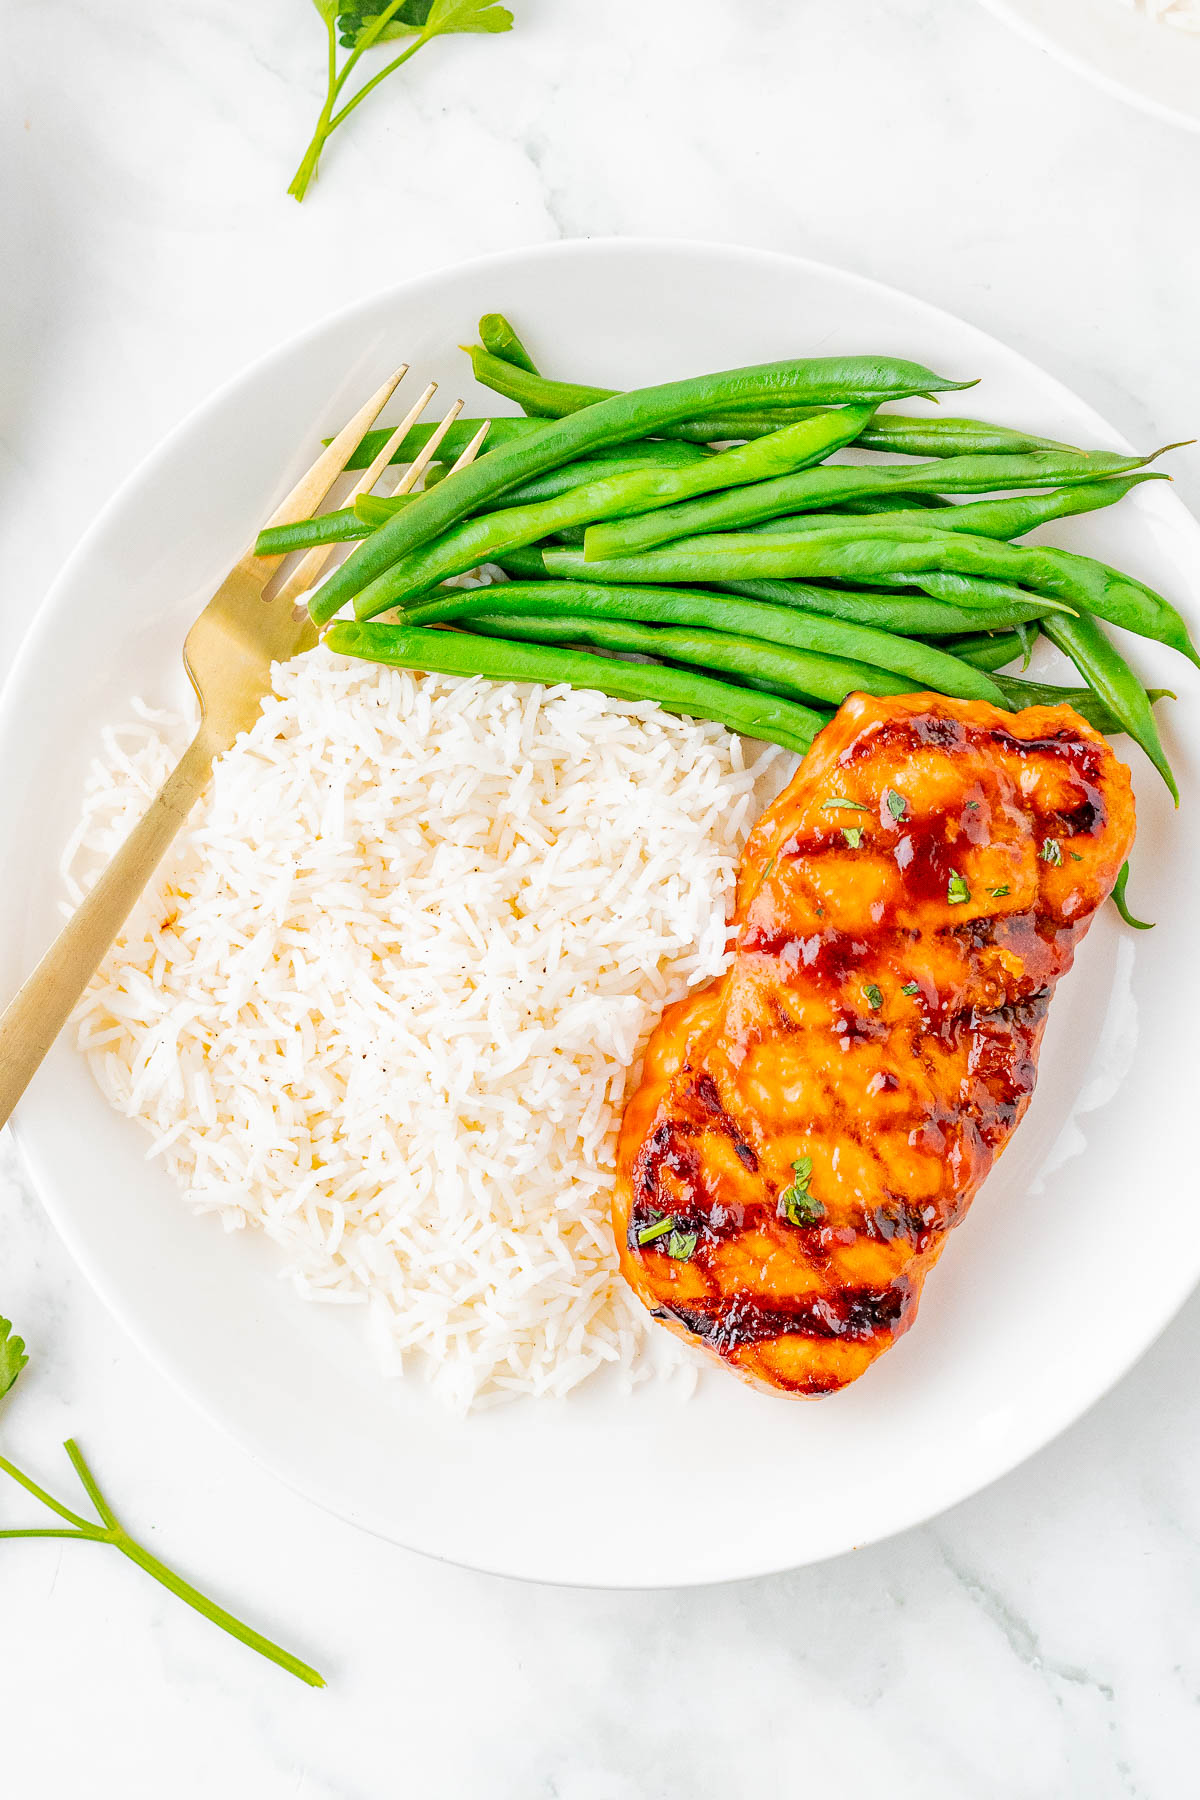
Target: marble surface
x=1042, y=1639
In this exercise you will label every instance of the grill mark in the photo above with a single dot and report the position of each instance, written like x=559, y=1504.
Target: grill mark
x=894, y=739
x=851, y=1316
x=708, y=1096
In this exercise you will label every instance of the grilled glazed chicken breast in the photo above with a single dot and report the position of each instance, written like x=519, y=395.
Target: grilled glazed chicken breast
x=811, y=1125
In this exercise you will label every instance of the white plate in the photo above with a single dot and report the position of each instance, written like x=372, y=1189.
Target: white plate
x=1079, y=1250
x=1154, y=66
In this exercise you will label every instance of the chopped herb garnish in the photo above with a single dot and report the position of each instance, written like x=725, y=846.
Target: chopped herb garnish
x=796, y=1204
x=658, y=1229
x=897, y=805
x=853, y=836
x=972, y=806
x=1051, y=851
x=873, y=996
x=769, y=867
x=910, y=987
x=840, y=800
x=680, y=1244
x=1075, y=856
x=998, y=893
x=957, y=891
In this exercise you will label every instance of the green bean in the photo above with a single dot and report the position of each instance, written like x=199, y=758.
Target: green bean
x=697, y=696
x=698, y=563
x=914, y=616
x=911, y=615
x=374, y=509
x=864, y=378
x=716, y=613
x=794, y=674
x=890, y=432
x=642, y=413
x=991, y=650
x=1122, y=905
x=1085, y=701
x=618, y=459
x=523, y=565
x=814, y=490
x=460, y=434
x=1113, y=681
x=941, y=436
x=543, y=399
x=1059, y=574
x=498, y=337
x=1008, y=518
x=339, y=527
x=973, y=593
x=370, y=510
x=479, y=539
x=889, y=502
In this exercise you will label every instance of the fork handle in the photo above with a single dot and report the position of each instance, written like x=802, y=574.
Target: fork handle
x=38, y=1012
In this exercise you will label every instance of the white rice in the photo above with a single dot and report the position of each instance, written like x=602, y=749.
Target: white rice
x=1183, y=13
x=387, y=998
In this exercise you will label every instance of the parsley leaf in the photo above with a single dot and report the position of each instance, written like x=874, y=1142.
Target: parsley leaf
x=796, y=1204
x=853, y=836
x=680, y=1244
x=354, y=26
x=957, y=891
x=873, y=996
x=1051, y=851
x=998, y=893
x=897, y=805
x=12, y=1357
x=910, y=988
x=840, y=800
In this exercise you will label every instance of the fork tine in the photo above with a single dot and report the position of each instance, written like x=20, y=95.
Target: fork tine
x=393, y=444
x=413, y=474
x=307, y=570
x=473, y=448
x=312, y=488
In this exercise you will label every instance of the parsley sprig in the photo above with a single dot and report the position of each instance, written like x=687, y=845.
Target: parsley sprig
x=106, y=1528
x=354, y=26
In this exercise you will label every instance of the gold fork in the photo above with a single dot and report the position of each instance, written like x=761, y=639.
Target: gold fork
x=228, y=655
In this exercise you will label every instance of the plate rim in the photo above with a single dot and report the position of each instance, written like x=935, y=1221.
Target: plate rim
x=989, y=1470
x=1044, y=40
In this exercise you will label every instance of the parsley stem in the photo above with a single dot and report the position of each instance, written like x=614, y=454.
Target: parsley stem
x=382, y=75
x=54, y=1531
x=328, y=120
x=39, y=1493
x=208, y=1609
x=308, y=162
x=365, y=39
x=90, y=1485
x=111, y=1531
